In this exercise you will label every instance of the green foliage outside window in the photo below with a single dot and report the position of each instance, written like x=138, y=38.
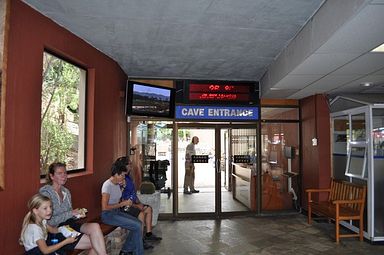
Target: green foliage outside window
x=59, y=113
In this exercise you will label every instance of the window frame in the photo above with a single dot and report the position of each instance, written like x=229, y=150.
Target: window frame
x=83, y=100
x=359, y=145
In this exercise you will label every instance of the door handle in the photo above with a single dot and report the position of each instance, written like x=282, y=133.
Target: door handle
x=218, y=166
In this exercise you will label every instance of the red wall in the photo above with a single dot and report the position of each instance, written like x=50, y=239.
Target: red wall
x=29, y=34
x=316, y=160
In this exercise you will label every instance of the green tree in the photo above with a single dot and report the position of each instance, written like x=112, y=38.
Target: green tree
x=59, y=111
x=164, y=133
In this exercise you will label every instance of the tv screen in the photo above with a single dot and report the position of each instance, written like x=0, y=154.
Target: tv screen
x=149, y=100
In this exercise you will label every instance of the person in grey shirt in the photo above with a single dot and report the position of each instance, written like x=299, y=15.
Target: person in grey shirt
x=189, y=177
x=112, y=214
x=63, y=214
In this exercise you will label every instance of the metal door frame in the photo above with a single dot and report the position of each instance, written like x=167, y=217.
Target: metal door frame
x=218, y=213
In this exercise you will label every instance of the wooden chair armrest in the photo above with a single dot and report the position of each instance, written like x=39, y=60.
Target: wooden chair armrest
x=317, y=190
x=310, y=191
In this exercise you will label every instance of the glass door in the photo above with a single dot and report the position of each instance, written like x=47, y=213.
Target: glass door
x=196, y=170
x=238, y=169
x=224, y=171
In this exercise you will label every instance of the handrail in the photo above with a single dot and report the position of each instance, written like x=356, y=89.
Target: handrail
x=241, y=177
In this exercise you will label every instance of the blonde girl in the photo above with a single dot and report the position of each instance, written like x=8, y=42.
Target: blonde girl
x=35, y=229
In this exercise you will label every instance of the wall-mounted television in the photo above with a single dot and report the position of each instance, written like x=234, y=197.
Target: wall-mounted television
x=149, y=100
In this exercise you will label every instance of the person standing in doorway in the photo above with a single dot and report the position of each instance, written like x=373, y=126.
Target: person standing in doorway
x=189, y=178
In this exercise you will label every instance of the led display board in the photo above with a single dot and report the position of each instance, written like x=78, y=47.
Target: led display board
x=212, y=92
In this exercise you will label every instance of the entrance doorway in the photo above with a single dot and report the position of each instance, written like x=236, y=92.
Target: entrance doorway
x=250, y=167
x=220, y=191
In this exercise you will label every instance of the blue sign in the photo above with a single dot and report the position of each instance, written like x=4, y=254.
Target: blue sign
x=196, y=112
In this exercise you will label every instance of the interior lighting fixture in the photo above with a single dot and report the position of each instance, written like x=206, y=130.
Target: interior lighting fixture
x=380, y=48
x=366, y=84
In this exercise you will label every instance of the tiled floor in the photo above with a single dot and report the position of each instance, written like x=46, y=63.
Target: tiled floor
x=255, y=235
x=204, y=201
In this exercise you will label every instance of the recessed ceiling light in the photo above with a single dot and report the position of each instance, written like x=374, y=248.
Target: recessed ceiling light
x=366, y=84
x=379, y=48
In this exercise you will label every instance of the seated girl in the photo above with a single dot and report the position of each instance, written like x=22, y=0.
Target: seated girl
x=35, y=230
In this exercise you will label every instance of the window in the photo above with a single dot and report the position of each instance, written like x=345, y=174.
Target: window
x=340, y=145
x=276, y=138
x=62, y=114
x=378, y=134
x=357, y=162
x=358, y=127
x=280, y=113
x=340, y=135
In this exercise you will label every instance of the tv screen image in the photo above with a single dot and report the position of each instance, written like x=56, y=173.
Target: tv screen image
x=150, y=100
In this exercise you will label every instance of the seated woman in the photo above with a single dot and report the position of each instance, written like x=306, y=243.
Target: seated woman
x=129, y=193
x=113, y=215
x=63, y=214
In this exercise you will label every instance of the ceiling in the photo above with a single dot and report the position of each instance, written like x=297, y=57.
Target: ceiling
x=295, y=48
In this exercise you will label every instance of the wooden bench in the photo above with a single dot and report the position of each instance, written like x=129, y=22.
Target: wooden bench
x=106, y=229
x=346, y=201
